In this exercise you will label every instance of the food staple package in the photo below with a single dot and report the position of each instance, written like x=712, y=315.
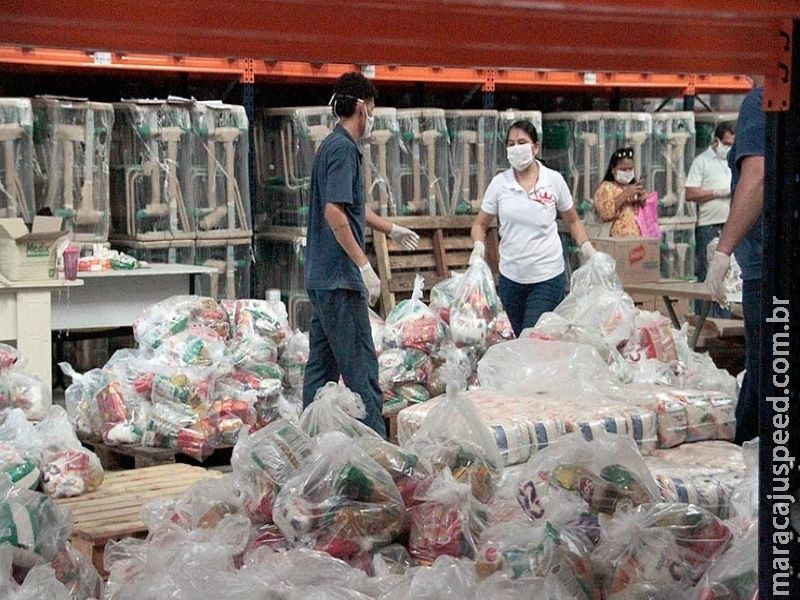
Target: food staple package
x=705, y=473
x=412, y=324
x=26, y=392
x=734, y=576
x=557, y=550
x=335, y=409
x=661, y=547
x=442, y=296
x=687, y=415
x=179, y=314
x=447, y=519
x=263, y=461
x=607, y=473
x=341, y=501
x=474, y=307
x=454, y=437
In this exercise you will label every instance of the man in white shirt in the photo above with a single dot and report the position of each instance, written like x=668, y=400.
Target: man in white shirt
x=709, y=184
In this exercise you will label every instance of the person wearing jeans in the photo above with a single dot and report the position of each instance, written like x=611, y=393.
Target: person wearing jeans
x=742, y=234
x=526, y=200
x=339, y=279
x=709, y=185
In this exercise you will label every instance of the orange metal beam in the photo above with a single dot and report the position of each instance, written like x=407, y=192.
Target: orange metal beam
x=693, y=36
x=249, y=70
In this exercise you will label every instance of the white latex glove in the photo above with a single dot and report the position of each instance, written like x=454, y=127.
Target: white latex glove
x=722, y=192
x=587, y=250
x=715, y=280
x=371, y=281
x=478, y=252
x=404, y=237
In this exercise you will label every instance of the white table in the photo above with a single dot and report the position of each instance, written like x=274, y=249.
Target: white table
x=25, y=317
x=113, y=299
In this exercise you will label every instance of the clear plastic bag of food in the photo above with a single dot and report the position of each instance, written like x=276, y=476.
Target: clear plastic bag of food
x=699, y=371
x=263, y=461
x=475, y=306
x=341, y=501
x=442, y=296
x=268, y=393
x=734, y=575
x=177, y=314
x=666, y=547
x=40, y=582
x=465, y=359
x=26, y=392
x=403, y=365
x=335, y=408
x=31, y=523
x=23, y=472
x=453, y=436
x=744, y=500
x=653, y=338
x=447, y=578
x=412, y=324
x=253, y=318
x=80, y=578
x=10, y=358
x=177, y=426
x=80, y=400
x=500, y=330
x=407, y=470
x=200, y=347
x=607, y=473
x=232, y=411
x=557, y=550
x=402, y=394
x=294, y=352
x=203, y=506
x=378, y=327
x=597, y=302
x=446, y=520
x=68, y=469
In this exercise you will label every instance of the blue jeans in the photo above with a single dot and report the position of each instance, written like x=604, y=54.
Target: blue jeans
x=524, y=303
x=747, y=408
x=340, y=339
x=703, y=236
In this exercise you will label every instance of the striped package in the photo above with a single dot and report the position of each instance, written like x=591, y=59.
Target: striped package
x=687, y=415
x=703, y=473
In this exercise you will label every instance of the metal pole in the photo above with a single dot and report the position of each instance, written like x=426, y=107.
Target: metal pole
x=779, y=437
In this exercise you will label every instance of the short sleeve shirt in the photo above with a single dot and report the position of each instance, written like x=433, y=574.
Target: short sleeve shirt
x=530, y=249
x=750, y=141
x=336, y=178
x=710, y=172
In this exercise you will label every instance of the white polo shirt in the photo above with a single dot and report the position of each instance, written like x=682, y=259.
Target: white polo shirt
x=530, y=249
x=710, y=172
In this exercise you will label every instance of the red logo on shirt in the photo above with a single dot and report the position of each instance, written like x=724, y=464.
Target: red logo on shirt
x=542, y=197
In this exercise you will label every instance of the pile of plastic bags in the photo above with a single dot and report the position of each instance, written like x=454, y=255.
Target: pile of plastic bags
x=415, y=343
x=36, y=559
x=327, y=509
x=19, y=389
x=47, y=455
x=203, y=372
x=638, y=346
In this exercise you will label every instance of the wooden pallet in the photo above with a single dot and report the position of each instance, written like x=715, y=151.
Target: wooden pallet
x=116, y=458
x=112, y=512
x=445, y=245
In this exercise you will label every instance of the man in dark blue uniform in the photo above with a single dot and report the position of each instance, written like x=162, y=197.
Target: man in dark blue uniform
x=742, y=234
x=338, y=276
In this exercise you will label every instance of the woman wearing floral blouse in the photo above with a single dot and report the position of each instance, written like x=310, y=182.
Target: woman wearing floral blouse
x=619, y=196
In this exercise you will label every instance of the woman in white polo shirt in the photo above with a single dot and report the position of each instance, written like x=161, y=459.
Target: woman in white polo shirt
x=526, y=200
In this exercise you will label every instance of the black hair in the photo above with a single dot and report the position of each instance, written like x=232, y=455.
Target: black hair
x=722, y=129
x=525, y=126
x=619, y=155
x=348, y=90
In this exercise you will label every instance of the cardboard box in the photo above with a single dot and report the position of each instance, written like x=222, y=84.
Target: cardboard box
x=29, y=255
x=638, y=259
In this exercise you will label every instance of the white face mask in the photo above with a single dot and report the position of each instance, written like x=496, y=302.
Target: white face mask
x=520, y=156
x=722, y=150
x=624, y=177
x=370, y=121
